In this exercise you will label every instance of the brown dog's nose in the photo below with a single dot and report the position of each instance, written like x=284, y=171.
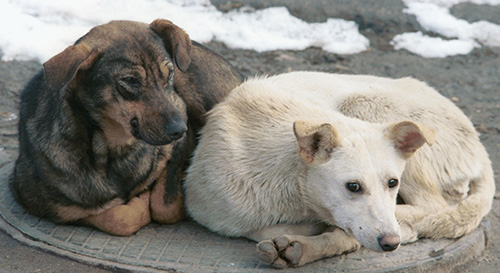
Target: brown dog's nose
x=176, y=129
x=389, y=242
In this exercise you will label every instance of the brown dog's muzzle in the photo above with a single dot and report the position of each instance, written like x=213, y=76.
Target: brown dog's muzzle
x=159, y=129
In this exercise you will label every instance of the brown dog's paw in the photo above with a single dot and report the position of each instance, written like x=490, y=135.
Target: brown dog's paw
x=123, y=220
x=280, y=252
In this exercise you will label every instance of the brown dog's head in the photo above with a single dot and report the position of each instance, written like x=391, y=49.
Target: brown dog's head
x=121, y=76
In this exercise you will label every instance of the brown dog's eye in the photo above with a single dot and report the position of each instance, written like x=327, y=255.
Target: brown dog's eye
x=132, y=81
x=392, y=183
x=353, y=187
x=129, y=87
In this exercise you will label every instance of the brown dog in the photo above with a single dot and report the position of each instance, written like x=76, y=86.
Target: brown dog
x=106, y=131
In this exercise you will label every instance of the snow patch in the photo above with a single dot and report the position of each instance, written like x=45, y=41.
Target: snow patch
x=434, y=16
x=34, y=29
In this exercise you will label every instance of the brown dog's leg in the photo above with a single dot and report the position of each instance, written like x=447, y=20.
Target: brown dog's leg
x=167, y=207
x=167, y=200
x=123, y=220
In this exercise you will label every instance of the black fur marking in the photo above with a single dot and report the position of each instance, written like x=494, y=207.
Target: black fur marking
x=175, y=167
x=316, y=139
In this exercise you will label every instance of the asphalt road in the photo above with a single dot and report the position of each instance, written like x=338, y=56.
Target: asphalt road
x=472, y=81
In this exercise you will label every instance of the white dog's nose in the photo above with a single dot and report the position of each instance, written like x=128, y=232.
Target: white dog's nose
x=389, y=242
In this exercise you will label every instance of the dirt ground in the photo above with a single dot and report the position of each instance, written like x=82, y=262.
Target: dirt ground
x=472, y=81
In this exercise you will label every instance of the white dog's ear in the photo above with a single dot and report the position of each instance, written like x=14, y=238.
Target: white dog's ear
x=316, y=141
x=409, y=136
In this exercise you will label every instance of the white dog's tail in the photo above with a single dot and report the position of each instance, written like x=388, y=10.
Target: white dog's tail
x=464, y=217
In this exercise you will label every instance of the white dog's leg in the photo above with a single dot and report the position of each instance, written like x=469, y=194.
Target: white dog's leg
x=422, y=200
x=434, y=218
x=306, y=229
x=299, y=245
x=409, y=215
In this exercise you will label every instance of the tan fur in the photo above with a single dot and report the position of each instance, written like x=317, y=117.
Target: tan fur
x=123, y=220
x=291, y=150
x=74, y=213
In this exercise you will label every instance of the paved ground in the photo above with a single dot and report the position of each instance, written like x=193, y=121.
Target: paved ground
x=472, y=81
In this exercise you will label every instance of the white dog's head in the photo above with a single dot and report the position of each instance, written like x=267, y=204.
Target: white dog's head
x=354, y=172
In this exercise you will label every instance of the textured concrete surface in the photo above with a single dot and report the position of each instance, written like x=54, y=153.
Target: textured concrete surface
x=471, y=81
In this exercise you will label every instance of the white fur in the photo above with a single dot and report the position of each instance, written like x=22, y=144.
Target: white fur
x=247, y=174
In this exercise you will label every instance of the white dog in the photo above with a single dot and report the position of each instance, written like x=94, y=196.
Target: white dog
x=281, y=157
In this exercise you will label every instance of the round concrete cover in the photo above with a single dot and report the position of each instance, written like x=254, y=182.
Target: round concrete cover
x=190, y=247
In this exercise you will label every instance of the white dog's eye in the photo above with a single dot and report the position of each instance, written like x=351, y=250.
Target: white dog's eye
x=393, y=183
x=353, y=187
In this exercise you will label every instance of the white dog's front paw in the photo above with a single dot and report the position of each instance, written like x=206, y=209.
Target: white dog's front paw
x=280, y=252
x=408, y=234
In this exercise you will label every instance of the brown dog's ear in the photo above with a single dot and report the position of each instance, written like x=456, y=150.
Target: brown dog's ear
x=176, y=42
x=316, y=141
x=408, y=136
x=61, y=69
